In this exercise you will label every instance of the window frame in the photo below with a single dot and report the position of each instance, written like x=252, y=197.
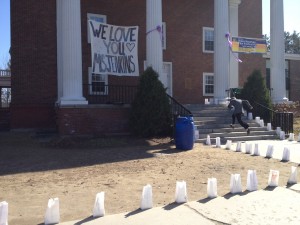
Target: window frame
x=91, y=15
x=105, y=81
x=204, y=84
x=204, y=29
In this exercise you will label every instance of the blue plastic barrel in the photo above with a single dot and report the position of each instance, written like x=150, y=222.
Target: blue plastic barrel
x=184, y=133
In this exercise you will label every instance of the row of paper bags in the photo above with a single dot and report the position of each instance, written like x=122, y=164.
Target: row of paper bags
x=52, y=215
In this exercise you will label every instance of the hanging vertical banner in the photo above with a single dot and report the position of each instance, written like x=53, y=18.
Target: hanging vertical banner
x=249, y=45
x=114, y=49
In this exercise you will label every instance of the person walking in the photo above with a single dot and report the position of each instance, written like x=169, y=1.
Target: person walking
x=237, y=106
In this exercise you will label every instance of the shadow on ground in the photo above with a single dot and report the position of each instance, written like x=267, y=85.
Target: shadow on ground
x=24, y=152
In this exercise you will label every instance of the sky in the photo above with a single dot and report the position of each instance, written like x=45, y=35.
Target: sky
x=291, y=23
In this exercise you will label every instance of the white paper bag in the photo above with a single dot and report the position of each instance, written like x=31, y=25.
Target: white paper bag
x=206, y=102
x=208, y=142
x=218, y=142
x=269, y=127
x=250, y=116
x=256, y=150
x=147, y=202
x=196, y=134
x=228, y=144
x=286, y=154
x=248, y=148
x=3, y=213
x=261, y=123
x=278, y=130
x=299, y=137
x=293, y=176
x=292, y=137
x=52, y=212
x=99, y=209
x=252, y=183
x=238, y=147
x=257, y=120
x=273, y=178
x=181, y=192
x=270, y=151
x=212, y=188
x=282, y=135
x=235, y=183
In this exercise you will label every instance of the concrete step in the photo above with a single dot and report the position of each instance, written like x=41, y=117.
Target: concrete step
x=239, y=138
x=238, y=134
x=217, y=124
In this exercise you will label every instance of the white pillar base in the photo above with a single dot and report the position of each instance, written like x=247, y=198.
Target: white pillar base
x=73, y=102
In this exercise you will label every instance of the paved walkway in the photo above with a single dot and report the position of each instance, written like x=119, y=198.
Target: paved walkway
x=278, y=206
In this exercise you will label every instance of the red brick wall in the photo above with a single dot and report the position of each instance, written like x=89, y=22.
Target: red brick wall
x=33, y=39
x=250, y=25
x=295, y=80
x=93, y=120
x=33, y=55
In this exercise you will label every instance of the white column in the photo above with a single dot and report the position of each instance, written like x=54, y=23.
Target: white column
x=221, y=51
x=69, y=53
x=278, y=89
x=154, y=51
x=234, y=31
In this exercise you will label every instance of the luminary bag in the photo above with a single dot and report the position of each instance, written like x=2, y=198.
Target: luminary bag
x=212, y=188
x=147, y=202
x=238, y=147
x=99, y=209
x=256, y=150
x=270, y=150
x=248, y=148
x=218, y=142
x=235, y=183
x=286, y=154
x=3, y=213
x=228, y=144
x=252, y=183
x=292, y=137
x=273, y=178
x=208, y=142
x=293, y=177
x=269, y=127
x=181, y=192
x=282, y=135
x=52, y=212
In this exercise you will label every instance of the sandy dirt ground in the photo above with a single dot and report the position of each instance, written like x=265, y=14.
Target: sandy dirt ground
x=34, y=169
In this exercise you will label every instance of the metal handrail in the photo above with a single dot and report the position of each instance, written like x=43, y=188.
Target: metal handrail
x=284, y=120
x=109, y=94
x=177, y=109
x=5, y=73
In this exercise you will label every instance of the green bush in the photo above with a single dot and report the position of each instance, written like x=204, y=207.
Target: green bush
x=150, y=114
x=256, y=91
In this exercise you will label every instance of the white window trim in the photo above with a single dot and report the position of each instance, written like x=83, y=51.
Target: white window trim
x=203, y=38
x=90, y=83
x=164, y=36
x=204, y=75
x=89, y=15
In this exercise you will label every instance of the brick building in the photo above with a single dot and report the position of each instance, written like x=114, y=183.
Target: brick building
x=51, y=64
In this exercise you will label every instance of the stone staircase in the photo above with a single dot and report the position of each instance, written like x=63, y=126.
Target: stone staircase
x=214, y=120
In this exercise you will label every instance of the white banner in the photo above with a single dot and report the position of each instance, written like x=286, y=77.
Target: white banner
x=114, y=49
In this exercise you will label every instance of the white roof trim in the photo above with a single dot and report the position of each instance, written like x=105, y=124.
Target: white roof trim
x=286, y=56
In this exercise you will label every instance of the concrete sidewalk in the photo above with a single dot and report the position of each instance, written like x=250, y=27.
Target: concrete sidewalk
x=272, y=205
x=278, y=206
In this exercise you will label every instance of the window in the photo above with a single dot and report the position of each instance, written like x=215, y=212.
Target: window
x=96, y=17
x=208, y=84
x=98, y=83
x=208, y=39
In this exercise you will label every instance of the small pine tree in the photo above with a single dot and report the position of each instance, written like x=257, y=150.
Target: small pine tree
x=255, y=90
x=150, y=114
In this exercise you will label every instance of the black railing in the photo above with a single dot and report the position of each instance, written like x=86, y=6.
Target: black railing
x=109, y=94
x=284, y=120
x=177, y=110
